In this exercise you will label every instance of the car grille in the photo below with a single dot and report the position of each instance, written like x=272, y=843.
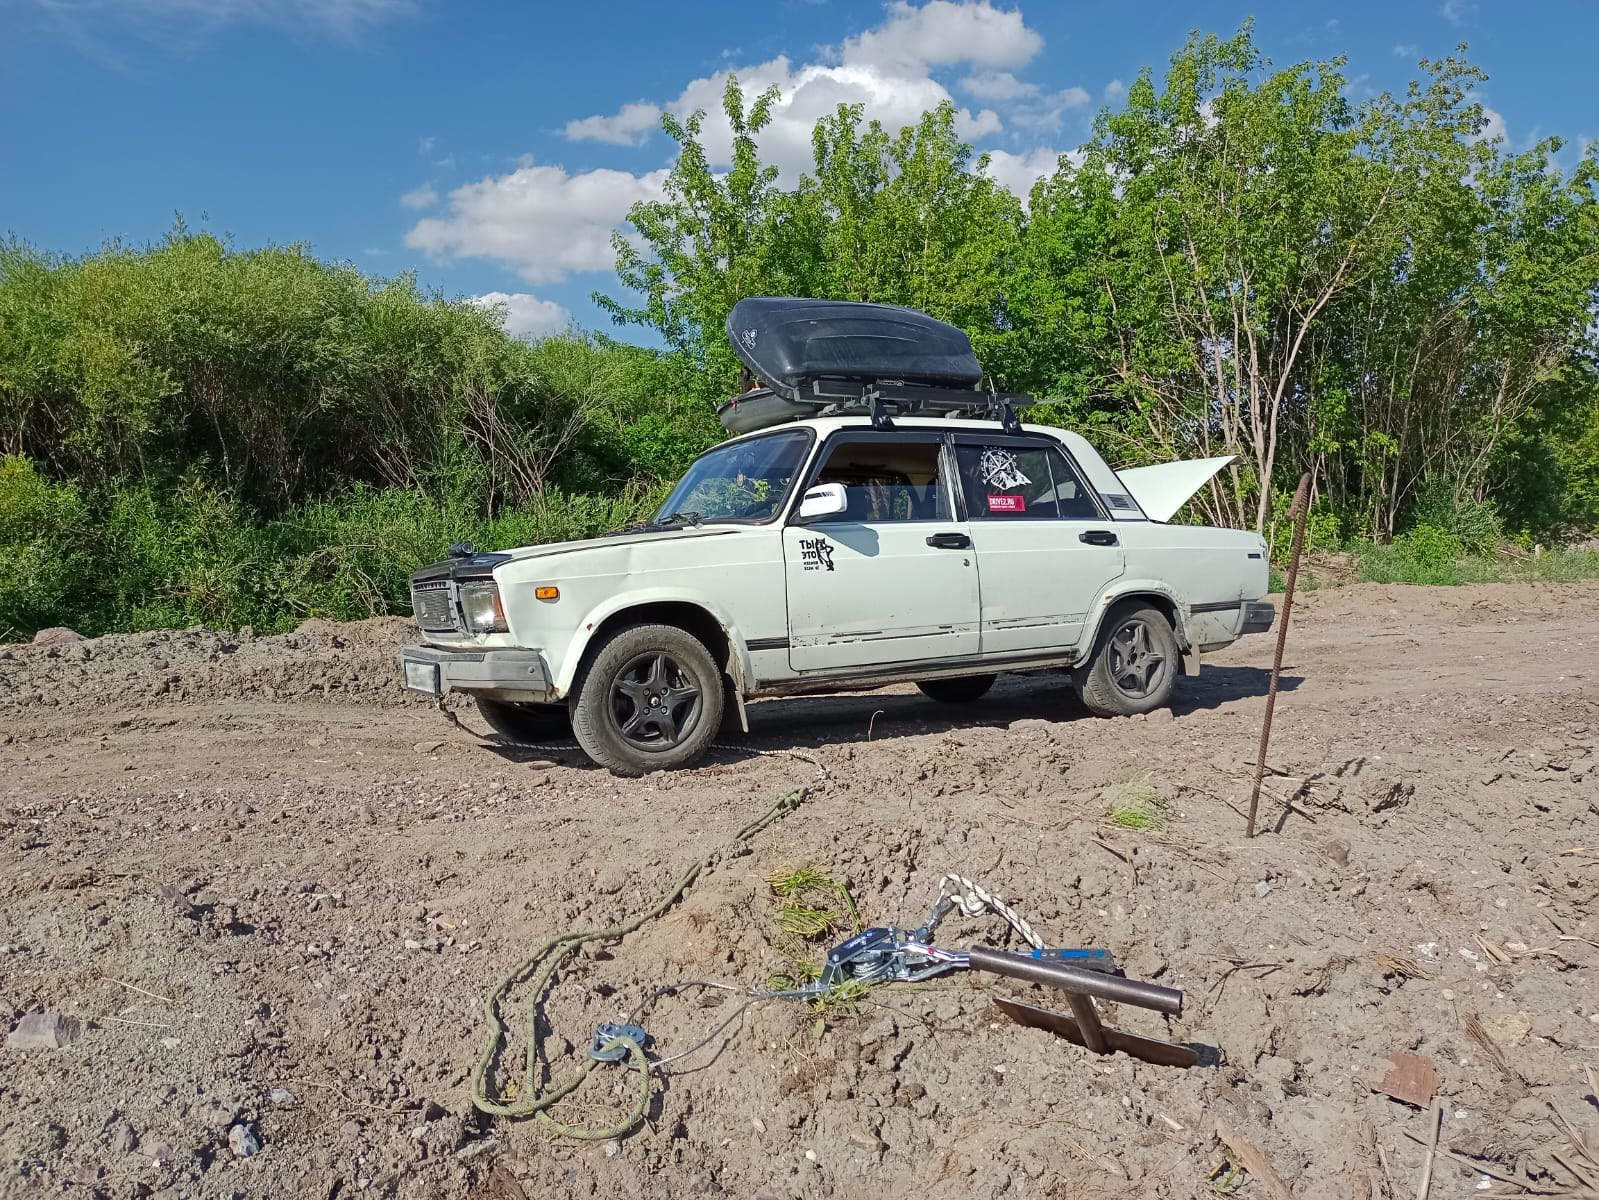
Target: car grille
x=434, y=607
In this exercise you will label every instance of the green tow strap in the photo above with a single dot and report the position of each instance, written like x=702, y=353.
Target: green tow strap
x=542, y=965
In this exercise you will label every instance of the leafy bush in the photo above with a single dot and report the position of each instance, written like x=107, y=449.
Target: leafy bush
x=1323, y=529
x=1475, y=523
x=44, y=555
x=1426, y=554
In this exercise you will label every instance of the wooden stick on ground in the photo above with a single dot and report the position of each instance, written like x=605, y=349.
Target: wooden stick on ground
x=1435, y=1118
x=1252, y=1159
x=1301, y=511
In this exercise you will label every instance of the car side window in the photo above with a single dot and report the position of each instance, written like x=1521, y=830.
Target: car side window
x=887, y=479
x=1010, y=482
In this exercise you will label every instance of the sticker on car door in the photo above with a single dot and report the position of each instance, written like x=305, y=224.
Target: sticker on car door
x=816, y=553
x=1013, y=502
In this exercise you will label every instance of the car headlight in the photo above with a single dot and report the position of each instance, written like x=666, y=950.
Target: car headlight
x=480, y=602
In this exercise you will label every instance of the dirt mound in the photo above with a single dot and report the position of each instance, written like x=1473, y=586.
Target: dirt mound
x=354, y=663
x=256, y=935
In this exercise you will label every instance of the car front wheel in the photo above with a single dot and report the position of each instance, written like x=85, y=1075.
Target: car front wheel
x=1135, y=663
x=650, y=700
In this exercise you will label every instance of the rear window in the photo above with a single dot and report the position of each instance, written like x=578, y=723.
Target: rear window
x=1012, y=482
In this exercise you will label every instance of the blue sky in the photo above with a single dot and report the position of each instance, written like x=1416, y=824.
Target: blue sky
x=493, y=147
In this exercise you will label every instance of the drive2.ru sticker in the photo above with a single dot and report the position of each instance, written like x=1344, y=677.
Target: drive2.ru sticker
x=1013, y=502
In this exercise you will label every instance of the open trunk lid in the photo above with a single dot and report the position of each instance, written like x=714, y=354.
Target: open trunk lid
x=1163, y=489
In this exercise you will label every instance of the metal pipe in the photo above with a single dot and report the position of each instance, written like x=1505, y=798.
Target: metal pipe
x=1072, y=979
x=1301, y=511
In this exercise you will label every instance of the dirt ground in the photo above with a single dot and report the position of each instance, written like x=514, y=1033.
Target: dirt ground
x=271, y=890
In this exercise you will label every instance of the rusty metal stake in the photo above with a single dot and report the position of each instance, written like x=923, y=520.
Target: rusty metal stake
x=1301, y=511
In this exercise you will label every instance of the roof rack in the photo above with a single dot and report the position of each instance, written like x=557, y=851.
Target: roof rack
x=881, y=399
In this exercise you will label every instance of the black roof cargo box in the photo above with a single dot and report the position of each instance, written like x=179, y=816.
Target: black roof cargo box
x=788, y=342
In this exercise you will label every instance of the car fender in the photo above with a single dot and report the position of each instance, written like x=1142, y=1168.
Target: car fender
x=738, y=664
x=1118, y=590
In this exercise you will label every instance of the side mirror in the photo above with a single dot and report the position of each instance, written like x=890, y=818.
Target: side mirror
x=823, y=500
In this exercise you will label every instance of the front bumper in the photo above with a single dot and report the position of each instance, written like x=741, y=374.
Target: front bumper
x=518, y=674
x=1258, y=617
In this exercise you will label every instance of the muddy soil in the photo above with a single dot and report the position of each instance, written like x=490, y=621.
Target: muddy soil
x=265, y=892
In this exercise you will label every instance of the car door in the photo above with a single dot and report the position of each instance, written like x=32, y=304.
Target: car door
x=891, y=579
x=1045, y=546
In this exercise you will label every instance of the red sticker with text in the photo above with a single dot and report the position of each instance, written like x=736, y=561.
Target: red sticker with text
x=1009, y=503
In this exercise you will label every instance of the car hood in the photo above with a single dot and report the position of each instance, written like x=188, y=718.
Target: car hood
x=550, y=549
x=1161, y=490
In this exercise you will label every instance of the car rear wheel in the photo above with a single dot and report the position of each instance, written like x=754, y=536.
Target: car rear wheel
x=526, y=724
x=651, y=700
x=1135, y=663
x=956, y=691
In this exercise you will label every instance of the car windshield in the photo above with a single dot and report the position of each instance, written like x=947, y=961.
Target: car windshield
x=742, y=481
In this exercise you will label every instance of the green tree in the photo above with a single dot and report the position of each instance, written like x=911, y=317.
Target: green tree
x=903, y=219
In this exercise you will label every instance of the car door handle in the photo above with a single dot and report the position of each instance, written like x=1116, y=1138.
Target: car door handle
x=1097, y=537
x=949, y=541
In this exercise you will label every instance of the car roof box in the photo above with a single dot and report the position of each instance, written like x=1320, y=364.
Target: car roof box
x=790, y=343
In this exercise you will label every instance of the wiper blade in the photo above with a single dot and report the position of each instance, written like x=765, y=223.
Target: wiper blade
x=671, y=521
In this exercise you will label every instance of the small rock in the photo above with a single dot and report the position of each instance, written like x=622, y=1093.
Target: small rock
x=281, y=1096
x=160, y=1152
x=216, y=1113
x=56, y=635
x=613, y=1148
x=124, y=1139
x=43, y=1031
x=412, y=944
x=758, y=1124
x=429, y=748
x=1263, y=888
x=242, y=1140
x=810, y=1156
x=1160, y=716
x=1337, y=850
x=171, y=1043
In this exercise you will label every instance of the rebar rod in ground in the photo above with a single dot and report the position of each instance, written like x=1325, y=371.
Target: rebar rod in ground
x=1301, y=511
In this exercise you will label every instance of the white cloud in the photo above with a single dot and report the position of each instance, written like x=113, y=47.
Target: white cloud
x=523, y=314
x=1017, y=173
x=1405, y=49
x=538, y=219
x=1493, y=126
x=420, y=197
x=547, y=224
x=630, y=126
x=942, y=33
x=1115, y=89
x=1457, y=12
x=1048, y=112
x=998, y=85
x=811, y=92
x=886, y=70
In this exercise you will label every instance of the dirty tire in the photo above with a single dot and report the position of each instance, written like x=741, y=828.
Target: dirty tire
x=956, y=691
x=1135, y=663
x=526, y=724
x=651, y=699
